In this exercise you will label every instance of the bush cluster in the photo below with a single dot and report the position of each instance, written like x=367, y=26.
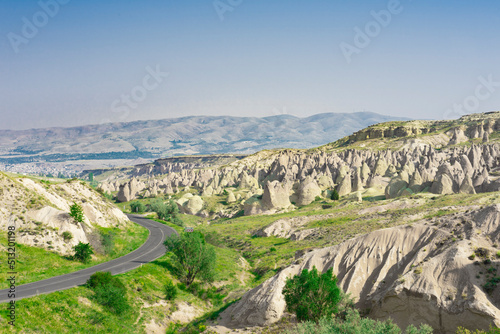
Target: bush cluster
x=109, y=291
x=83, y=252
x=323, y=308
x=168, y=211
x=355, y=324
x=137, y=207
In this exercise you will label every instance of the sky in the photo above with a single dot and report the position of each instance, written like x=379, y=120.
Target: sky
x=70, y=63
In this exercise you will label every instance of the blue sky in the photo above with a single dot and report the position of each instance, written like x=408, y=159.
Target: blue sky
x=91, y=62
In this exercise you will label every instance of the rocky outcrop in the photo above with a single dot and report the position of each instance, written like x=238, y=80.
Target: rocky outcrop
x=34, y=207
x=294, y=176
x=412, y=274
x=130, y=190
x=276, y=196
x=252, y=206
x=191, y=205
x=289, y=227
x=395, y=188
x=307, y=191
x=344, y=186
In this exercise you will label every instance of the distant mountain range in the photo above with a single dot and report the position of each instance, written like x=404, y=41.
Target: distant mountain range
x=154, y=139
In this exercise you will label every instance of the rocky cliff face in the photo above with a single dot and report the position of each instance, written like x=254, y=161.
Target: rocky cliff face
x=468, y=127
x=178, y=164
x=40, y=212
x=294, y=178
x=413, y=274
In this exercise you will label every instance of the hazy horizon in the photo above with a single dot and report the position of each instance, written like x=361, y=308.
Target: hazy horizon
x=200, y=116
x=66, y=63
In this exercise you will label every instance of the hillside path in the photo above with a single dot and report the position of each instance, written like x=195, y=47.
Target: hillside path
x=152, y=249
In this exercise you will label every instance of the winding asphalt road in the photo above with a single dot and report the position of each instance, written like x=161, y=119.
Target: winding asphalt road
x=152, y=249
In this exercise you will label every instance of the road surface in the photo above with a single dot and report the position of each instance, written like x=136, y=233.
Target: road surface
x=152, y=249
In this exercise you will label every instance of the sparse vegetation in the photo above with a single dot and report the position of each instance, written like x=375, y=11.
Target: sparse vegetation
x=67, y=236
x=354, y=324
x=491, y=284
x=462, y=330
x=108, y=240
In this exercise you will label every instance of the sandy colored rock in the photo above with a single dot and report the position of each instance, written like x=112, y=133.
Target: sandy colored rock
x=307, y=191
x=394, y=273
x=275, y=196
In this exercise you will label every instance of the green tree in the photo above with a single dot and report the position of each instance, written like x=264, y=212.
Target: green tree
x=311, y=295
x=192, y=257
x=137, y=207
x=76, y=212
x=335, y=195
x=168, y=211
x=83, y=252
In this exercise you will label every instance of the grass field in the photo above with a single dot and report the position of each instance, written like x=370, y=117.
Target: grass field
x=75, y=311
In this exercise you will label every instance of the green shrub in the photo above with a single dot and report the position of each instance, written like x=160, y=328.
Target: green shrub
x=170, y=290
x=112, y=298
x=137, y=207
x=168, y=211
x=76, y=212
x=311, y=295
x=108, y=196
x=104, y=279
x=354, y=324
x=335, y=195
x=491, y=284
x=83, y=252
x=109, y=291
x=67, y=236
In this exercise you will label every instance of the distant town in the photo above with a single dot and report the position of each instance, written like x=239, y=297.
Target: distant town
x=42, y=169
